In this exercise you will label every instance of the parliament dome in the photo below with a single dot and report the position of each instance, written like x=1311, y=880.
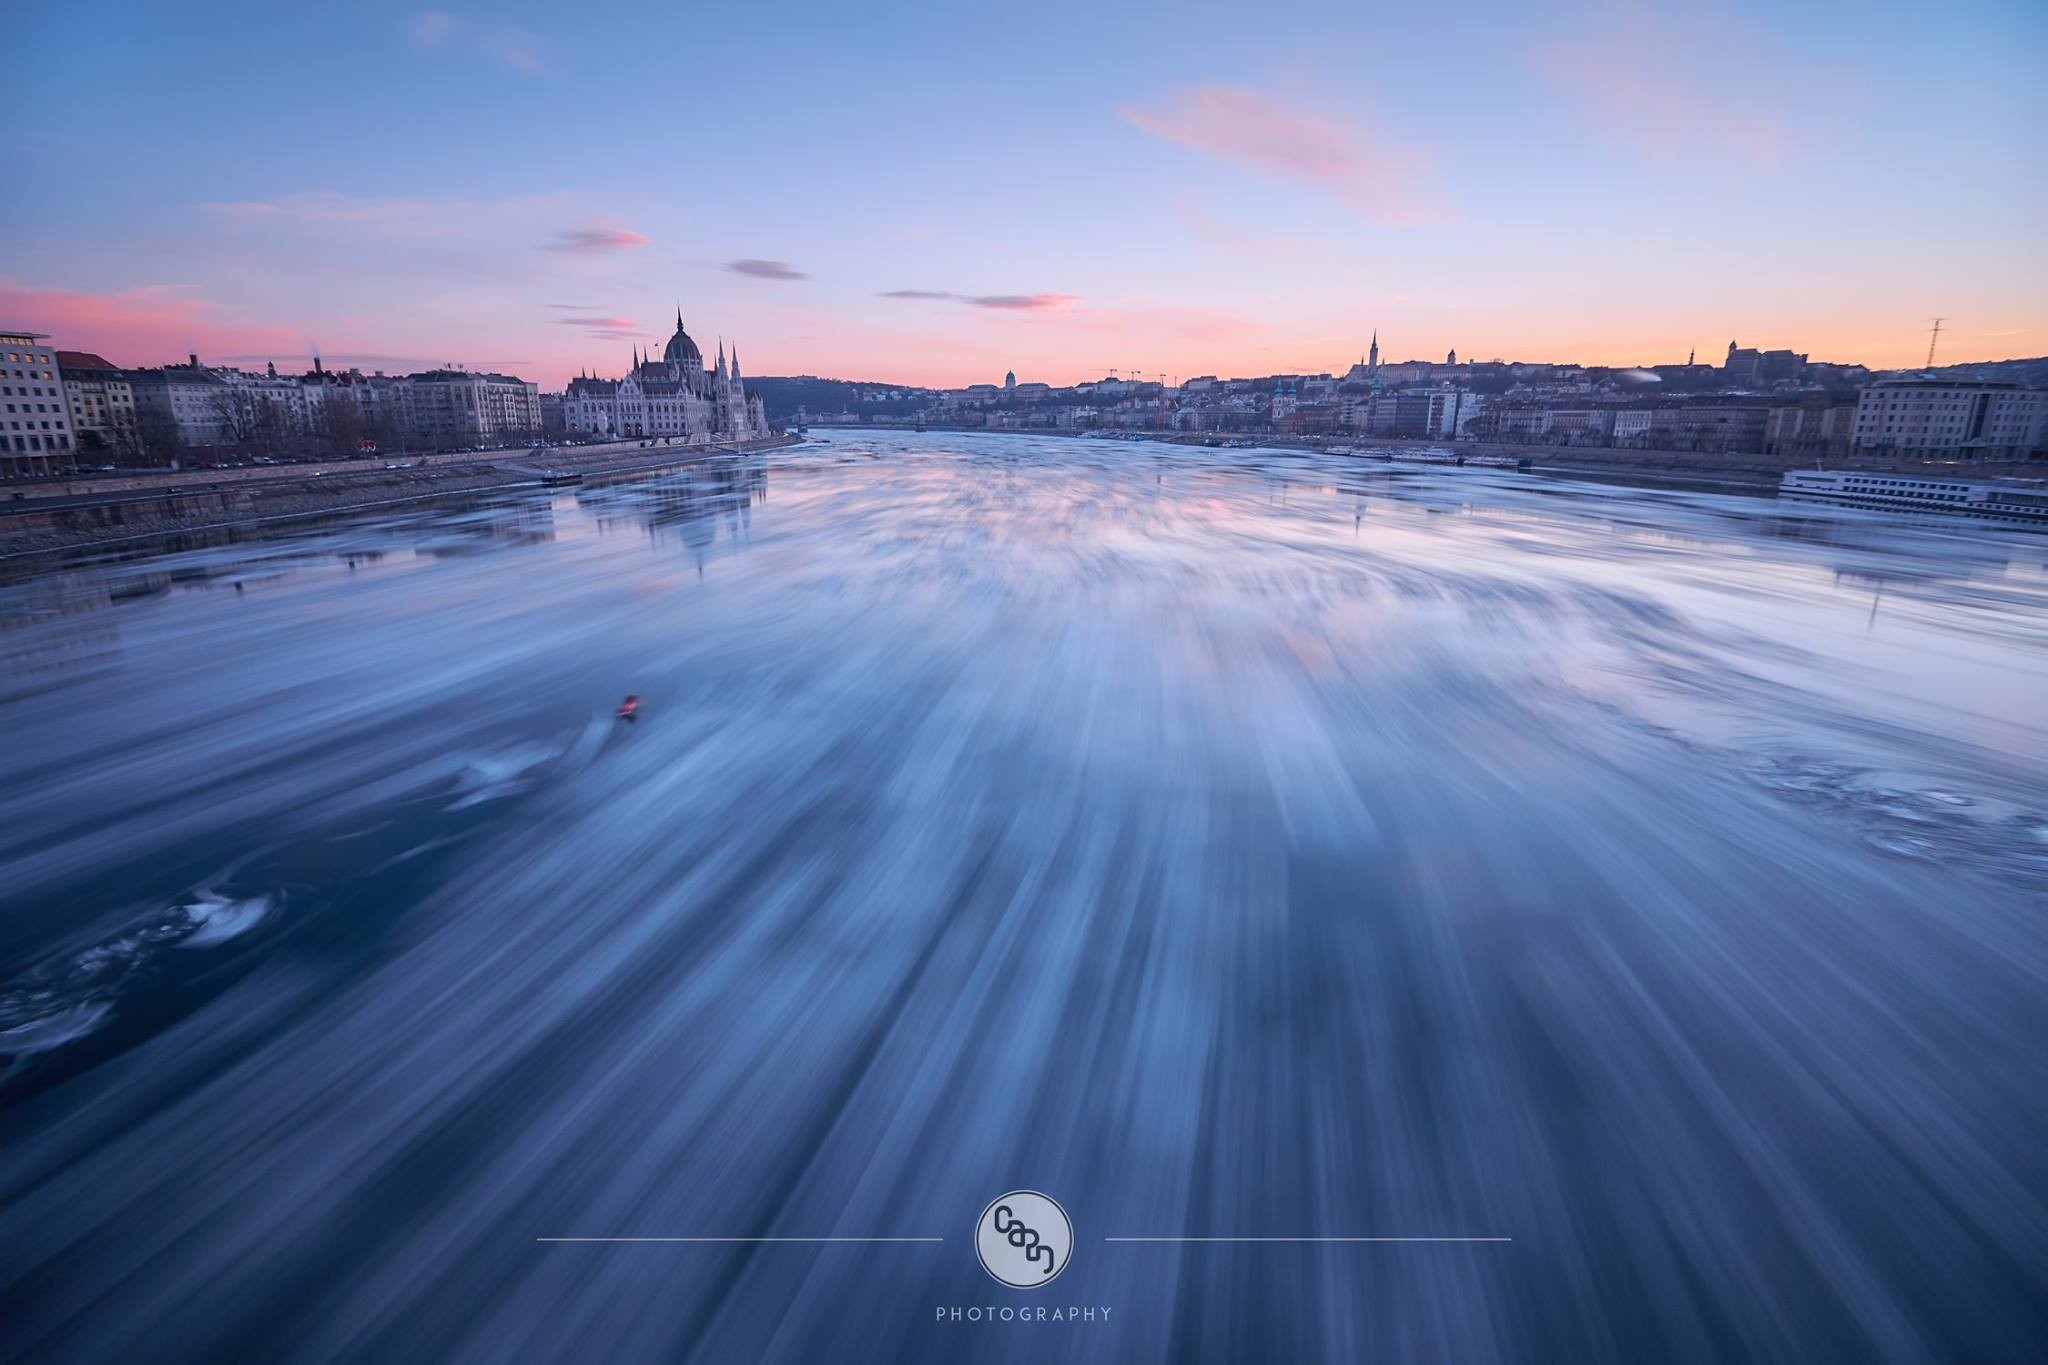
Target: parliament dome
x=680, y=348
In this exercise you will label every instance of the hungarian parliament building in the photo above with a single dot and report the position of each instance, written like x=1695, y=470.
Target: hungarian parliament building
x=674, y=396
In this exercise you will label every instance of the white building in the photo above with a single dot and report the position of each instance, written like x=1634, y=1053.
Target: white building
x=1960, y=418
x=1453, y=412
x=269, y=408
x=470, y=407
x=181, y=406
x=192, y=406
x=101, y=404
x=674, y=397
x=374, y=410
x=36, y=426
x=1632, y=425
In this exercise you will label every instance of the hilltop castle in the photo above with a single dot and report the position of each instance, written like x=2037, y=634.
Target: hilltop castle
x=674, y=396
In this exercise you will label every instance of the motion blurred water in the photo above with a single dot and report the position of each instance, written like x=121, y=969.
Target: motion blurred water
x=1229, y=844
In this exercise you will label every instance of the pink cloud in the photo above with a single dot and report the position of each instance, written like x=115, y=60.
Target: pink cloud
x=605, y=328
x=144, y=326
x=598, y=236
x=1667, y=86
x=1234, y=124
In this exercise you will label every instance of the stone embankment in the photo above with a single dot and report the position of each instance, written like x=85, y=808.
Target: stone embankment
x=111, y=510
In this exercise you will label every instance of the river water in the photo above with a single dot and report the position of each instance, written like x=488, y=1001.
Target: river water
x=1228, y=844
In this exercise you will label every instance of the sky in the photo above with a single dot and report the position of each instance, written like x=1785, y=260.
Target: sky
x=937, y=194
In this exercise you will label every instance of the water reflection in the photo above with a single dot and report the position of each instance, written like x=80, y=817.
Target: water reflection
x=1230, y=843
x=53, y=631
x=695, y=505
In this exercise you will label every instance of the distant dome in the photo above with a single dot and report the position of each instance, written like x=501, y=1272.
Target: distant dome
x=681, y=348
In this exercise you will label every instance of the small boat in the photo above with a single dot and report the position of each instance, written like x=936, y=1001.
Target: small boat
x=630, y=707
x=555, y=478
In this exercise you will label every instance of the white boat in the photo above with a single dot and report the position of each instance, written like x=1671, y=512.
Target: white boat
x=2015, y=502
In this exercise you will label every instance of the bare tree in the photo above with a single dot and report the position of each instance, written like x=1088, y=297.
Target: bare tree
x=157, y=437
x=236, y=412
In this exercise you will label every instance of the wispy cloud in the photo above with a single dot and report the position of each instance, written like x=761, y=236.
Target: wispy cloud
x=507, y=45
x=765, y=270
x=1231, y=123
x=1666, y=84
x=596, y=236
x=382, y=217
x=604, y=327
x=1020, y=303
x=1008, y=303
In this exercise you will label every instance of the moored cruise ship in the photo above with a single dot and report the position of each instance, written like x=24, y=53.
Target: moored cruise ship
x=2017, y=502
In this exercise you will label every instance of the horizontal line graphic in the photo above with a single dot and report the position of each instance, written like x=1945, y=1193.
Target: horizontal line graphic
x=739, y=1239
x=1308, y=1239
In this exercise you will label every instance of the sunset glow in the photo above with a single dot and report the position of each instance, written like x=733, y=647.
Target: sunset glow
x=516, y=188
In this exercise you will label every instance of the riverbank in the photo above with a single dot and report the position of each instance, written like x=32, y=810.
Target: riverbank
x=134, y=508
x=1696, y=467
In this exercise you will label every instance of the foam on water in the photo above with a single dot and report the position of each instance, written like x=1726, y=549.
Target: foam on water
x=215, y=919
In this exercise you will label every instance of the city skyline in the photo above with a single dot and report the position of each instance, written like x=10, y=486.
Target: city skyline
x=1189, y=197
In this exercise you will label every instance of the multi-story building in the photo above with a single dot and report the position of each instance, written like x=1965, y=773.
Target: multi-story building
x=270, y=409
x=1518, y=422
x=359, y=411
x=101, y=403
x=471, y=407
x=1439, y=413
x=1723, y=428
x=1811, y=430
x=1582, y=426
x=181, y=407
x=1466, y=411
x=1632, y=425
x=1953, y=418
x=37, y=427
